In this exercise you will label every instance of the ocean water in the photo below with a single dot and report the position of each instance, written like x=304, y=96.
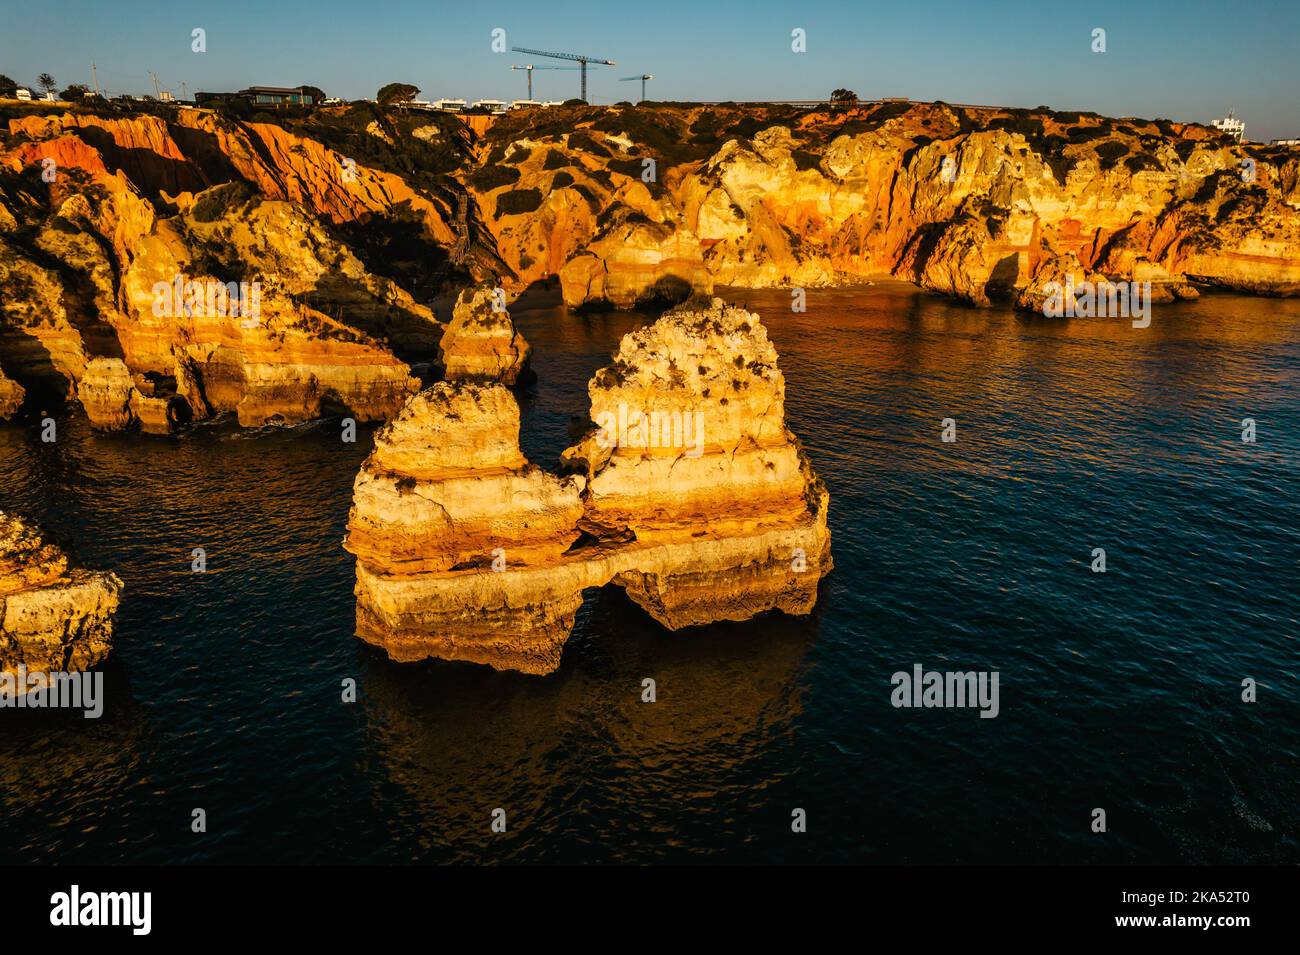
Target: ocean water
x=1119, y=690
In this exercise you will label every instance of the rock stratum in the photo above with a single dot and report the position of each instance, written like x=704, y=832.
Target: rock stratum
x=481, y=342
x=688, y=491
x=54, y=617
x=353, y=223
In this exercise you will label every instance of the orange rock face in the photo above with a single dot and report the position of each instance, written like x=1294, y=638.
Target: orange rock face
x=11, y=397
x=970, y=203
x=342, y=228
x=691, y=494
x=168, y=308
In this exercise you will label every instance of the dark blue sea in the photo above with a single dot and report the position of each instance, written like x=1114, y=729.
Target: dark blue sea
x=1120, y=691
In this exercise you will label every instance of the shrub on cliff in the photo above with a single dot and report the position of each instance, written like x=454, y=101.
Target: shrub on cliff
x=582, y=142
x=1110, y=153
x=395, y=93
x=217, y=201
x=493, y=177
x=517, y=202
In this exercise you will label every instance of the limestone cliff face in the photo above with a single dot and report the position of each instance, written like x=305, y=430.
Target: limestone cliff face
x=466, y=551
x=53, y=617
x=352, y=222
x=481, y=342
x=970, y=203
x=157, y=309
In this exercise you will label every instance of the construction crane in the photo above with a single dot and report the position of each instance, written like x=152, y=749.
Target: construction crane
x=582, y=62
x=529, y=68
x=643, y=77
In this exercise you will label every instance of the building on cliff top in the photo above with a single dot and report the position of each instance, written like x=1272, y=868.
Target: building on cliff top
x=1232, y=126
x=263, y=96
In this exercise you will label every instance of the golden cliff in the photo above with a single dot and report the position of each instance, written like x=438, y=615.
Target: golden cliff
x=151, y=308
x=689, y=492
x=627, y=204
x=53, y=617
x=169, y=265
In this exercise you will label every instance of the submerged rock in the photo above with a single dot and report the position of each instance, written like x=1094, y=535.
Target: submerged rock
x=691, y=494
x=53, y=617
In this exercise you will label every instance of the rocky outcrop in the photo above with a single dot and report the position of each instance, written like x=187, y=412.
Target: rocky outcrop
x=689, y=492
x=53, y=617
x=11, y=397
x=481, y=342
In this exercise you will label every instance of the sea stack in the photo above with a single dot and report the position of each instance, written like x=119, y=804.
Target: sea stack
x=688, y=491
x=481, y=343
x=54, y=618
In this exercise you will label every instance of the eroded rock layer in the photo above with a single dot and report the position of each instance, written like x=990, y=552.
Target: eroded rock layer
x=689, y=492
x=53, y=617
x=481, y=342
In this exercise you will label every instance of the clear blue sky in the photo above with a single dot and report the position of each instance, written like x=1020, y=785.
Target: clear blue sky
x=1181, y=59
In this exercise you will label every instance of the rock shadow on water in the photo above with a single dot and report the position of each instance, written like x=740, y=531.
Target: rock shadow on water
x=566, y=752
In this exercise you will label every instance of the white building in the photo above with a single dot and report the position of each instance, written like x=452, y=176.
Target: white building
x=1284, y=142
x=23, y=94
x=1231, y=125
x=491, y=105
x=449, y=105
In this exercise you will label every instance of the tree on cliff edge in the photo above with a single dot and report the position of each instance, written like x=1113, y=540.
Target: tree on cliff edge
x=395, y=93
x=7, y=86
x=843, y=97
x=46, y=82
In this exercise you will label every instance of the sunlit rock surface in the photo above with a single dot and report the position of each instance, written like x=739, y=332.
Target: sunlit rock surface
x=53, y=617
x=11, y=397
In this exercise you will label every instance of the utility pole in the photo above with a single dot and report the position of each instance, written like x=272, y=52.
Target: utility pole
x=94, y=78
x=156, y=94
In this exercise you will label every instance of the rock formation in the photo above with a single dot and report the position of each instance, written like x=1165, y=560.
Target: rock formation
x=690, y=493
x=53, y=617
x=11, y=397
x=481, y=343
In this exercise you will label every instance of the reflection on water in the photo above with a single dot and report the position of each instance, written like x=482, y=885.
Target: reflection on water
x=1118, y=690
